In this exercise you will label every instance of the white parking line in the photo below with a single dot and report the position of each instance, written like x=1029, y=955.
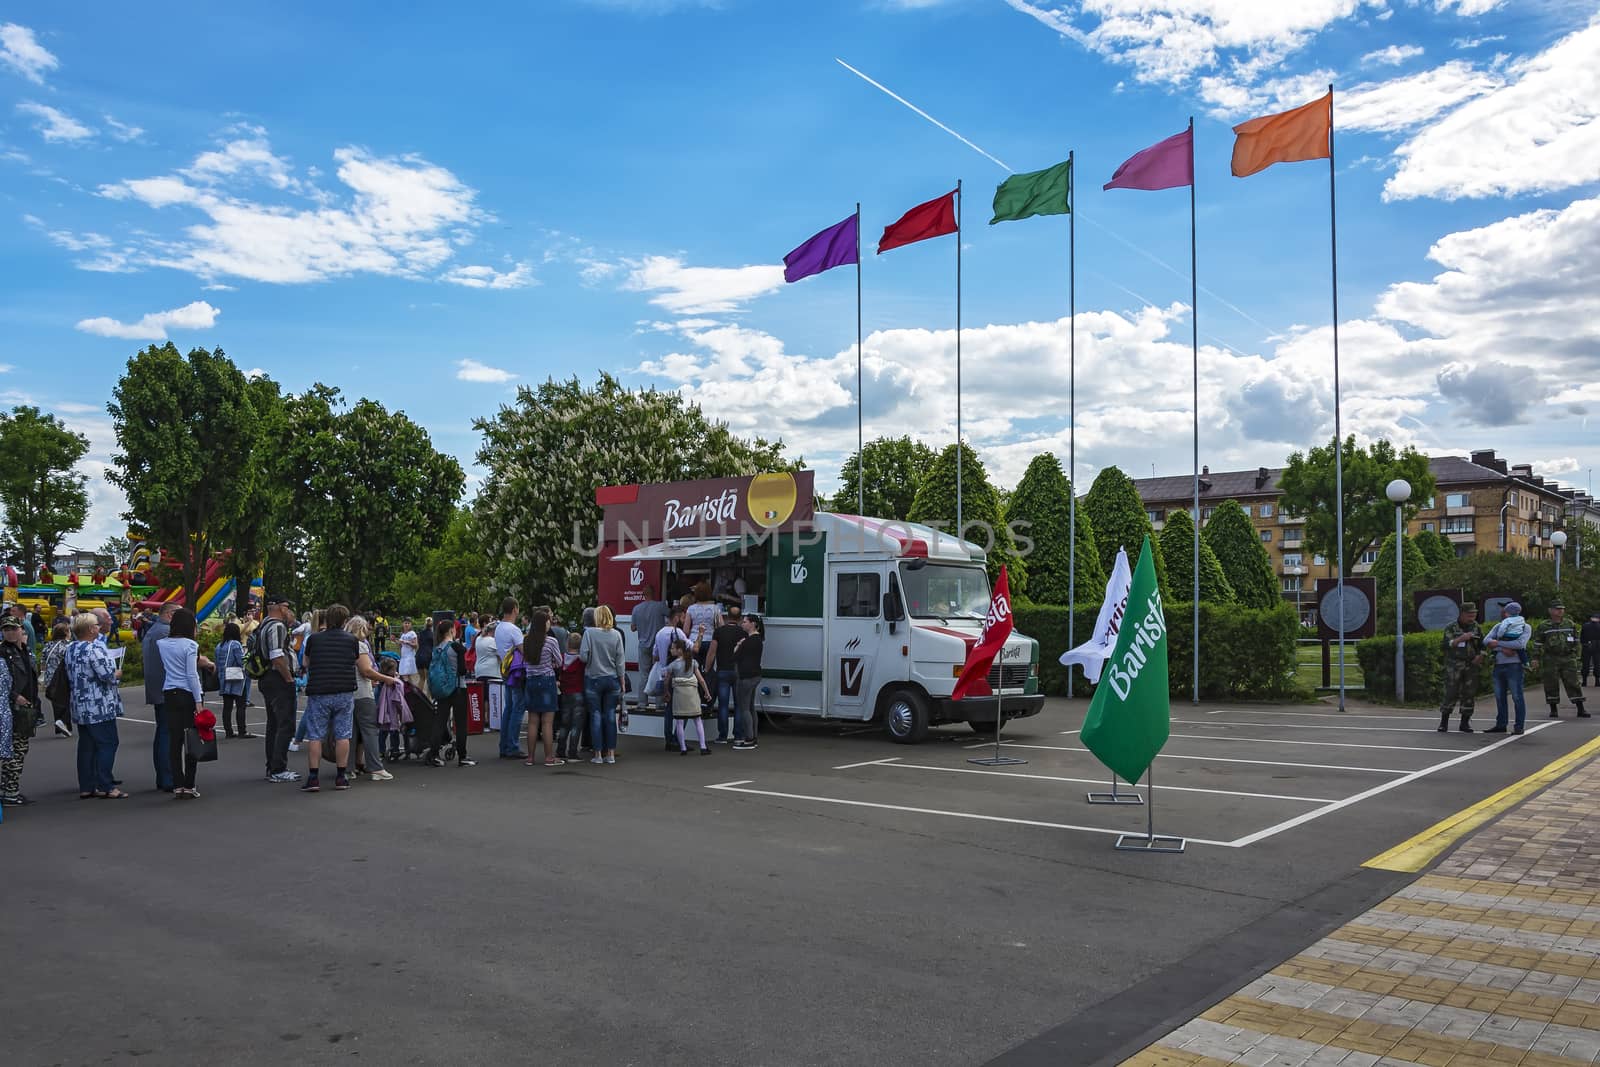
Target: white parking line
x=1300, y=820
x=1226, y=759
x=738, y=787
x=1318, y=714
x=1101, y=781
x=867, y=763
x=1315, y=744
x=1306, y=726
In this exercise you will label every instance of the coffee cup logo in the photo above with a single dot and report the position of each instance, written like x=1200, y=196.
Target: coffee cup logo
x=797, y=572
x=635, y=575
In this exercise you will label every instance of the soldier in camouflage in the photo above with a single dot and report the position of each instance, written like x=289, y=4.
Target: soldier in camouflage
x=1555, y=656
x=1462, y=653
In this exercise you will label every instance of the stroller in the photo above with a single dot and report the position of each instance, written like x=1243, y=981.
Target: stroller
x=426, y=722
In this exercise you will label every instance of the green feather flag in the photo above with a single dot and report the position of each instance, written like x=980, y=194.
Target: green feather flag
x=1041, y=192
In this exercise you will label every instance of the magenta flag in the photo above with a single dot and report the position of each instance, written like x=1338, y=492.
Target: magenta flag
x=1164, y=165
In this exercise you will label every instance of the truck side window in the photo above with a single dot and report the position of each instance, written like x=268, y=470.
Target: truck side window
x=858, y=596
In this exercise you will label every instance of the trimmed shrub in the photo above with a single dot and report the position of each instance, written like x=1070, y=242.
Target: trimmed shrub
x=980, y=508
x=1120, y=521
x=1435, y=549
x=1177, y=548
x=1232, y=536
x=1042, y=501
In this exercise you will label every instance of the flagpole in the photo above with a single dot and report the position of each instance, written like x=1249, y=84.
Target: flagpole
x=1072, y=419
x=1194, y=344
x=861, y=459
x=1338, y=432
x=961, y=533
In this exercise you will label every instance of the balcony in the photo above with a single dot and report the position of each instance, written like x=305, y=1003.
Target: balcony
x=1286, y=520
x=1292, y=544
x=1468, y=510
x=1460, y=537
x=1291, y=568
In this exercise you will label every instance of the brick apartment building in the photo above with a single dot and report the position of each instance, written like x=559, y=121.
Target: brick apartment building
x=1480, y=504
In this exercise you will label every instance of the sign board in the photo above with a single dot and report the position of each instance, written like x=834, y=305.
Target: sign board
x=623, y=582
x=1356, y=615
x=1437, y=608
x=1494, y=608
x=710, y=507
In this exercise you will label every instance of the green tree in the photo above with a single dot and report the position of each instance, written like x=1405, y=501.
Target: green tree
x=1308, y=489
x=1039, y=510
x=1532, y=581
x=1435, y=549
x=452, y=574
x=549, y=451
x=1119, y=520
x=118, y=548
x=44, y=498
x=376, y=494
x=1417, y=568
x=895, y=466
x=181, y=424
x=981, y=513
x=1177, y=548
x=1232, y=537
x=258, y=526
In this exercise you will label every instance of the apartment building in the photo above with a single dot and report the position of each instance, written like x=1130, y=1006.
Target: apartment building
x=1480, y=504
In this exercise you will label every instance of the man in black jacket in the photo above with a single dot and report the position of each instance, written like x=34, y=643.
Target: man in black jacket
x=19, y=663
x=1590, y=635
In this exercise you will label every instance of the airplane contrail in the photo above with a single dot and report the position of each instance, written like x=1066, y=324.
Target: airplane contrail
x=884, y=88
x=1098, y=225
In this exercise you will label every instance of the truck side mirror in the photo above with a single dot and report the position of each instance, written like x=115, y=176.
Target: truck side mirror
x=891, y=608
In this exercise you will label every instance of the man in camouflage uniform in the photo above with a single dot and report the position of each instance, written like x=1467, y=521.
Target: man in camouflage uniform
x=1462, y=654
x=1555, y=656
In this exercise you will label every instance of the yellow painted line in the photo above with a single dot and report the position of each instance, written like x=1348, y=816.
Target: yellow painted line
x=1416, y=853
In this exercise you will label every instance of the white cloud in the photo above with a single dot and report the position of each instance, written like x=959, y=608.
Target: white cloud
x=1392, y=56
x=470, y=370
x=54, y=124
x=1409, y=101
x=153, y=327
x=255, y=372
x=686, y=290
x=104, y=256
x=22, y=53
x=1559, y=465
x=1477, y=42
x=1467, y=8
x=1538, y=133
x=480, y=277
x=399, y=218
x=122, y=131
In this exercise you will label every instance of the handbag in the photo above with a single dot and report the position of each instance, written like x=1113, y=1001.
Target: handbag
x=197, y=748
x=233, y=674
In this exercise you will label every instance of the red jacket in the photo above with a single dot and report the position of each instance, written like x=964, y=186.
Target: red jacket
x=572, y=674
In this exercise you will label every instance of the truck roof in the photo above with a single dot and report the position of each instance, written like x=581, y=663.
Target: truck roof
x=897, y=538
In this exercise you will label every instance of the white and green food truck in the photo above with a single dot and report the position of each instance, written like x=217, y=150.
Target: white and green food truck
x=866, y=619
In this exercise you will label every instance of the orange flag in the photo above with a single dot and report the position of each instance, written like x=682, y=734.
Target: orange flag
x=1286, y=137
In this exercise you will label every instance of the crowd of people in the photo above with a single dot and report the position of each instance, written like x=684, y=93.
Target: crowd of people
x=367, y=707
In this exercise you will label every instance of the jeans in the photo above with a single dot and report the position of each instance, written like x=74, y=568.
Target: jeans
x=604, y=691
x=1508, y=676
x=178, y=709
x=726, y=681
x=511, y=720
x=570, y=735
x=97, y=751
x=233, y=706
x=158, y=748
x=278, y=696
x=745, y=727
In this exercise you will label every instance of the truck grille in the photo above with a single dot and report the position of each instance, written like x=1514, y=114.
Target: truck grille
x=1010, y=676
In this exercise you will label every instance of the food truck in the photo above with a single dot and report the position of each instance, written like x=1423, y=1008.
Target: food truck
x=866, y=619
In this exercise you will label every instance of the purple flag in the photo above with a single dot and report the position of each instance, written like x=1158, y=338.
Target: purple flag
x=1164, y=165
x=834, y=247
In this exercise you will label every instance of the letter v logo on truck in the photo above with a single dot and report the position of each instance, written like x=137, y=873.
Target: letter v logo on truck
x=851, y=670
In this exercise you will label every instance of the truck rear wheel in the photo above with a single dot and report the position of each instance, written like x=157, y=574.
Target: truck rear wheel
x=985, y=729
x=905, y=716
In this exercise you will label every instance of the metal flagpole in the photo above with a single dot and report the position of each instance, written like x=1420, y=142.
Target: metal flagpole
x=1338, y=430
x=1149, y=841
x=1194, y=323
x=861, y=459
x=1072, y=417
x=961, y=533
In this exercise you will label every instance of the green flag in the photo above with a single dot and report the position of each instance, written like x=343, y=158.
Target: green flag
x=1043, y=192
x=1130, y=715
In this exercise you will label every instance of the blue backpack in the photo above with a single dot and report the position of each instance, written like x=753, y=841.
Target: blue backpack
x=443, y=680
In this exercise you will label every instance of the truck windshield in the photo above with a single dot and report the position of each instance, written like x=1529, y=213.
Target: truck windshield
x=945, y=591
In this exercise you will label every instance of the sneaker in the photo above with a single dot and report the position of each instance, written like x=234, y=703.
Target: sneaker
x=62, y=727
x=465, y=762
x=284, y=776
x=719, y=741
x=744, y=746
x=341, y=782
x=597, y=759
x=434, y=761
x=311, y=786
x=611, y=759
x=381, y=776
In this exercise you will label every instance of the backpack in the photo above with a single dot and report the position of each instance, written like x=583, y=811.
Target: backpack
x=442, y=677
x=256, y=664
x=513, y=669
x=59, y=690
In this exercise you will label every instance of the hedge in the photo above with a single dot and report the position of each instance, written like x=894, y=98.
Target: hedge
x=1244, y=653
x=1424, y=668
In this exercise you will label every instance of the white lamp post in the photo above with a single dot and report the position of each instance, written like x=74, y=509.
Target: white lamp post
x=1559, y=539
x=1399, y=491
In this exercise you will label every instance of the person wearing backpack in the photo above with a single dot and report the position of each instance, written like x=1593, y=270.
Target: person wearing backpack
x=446, y=670
x=271, y=662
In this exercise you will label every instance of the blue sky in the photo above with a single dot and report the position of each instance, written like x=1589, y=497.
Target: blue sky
x=429, y=207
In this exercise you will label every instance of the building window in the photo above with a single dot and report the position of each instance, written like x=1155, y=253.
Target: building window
x=1266, y=535
x=1544, y=531
x=1458, y=500
x=1427, y=526
x=1206, y=514
x=1461, y=524
x=1319, y=560
x=1292, y=559
x=1512, y=499
x=1369, y=557
x=1155, y=515
x=1266, y=511
x=1291, y=583
x=1462, y=551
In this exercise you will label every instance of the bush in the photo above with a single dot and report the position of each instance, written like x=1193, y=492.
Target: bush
x=1244, y=653
x=1424, y=668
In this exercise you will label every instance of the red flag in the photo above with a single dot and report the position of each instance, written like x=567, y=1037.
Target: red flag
x=996, y=628
x=934, y=219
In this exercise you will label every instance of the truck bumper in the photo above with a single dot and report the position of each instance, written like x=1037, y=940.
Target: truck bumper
x=986, y=709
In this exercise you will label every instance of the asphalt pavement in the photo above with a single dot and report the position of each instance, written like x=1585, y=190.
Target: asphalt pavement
x=828, y=898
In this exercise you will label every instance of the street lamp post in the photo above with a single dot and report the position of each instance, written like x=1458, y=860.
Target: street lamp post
x=1559, y=539
x=1399, y=491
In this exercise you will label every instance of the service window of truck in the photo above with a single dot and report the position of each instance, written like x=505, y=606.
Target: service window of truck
x=867, y=619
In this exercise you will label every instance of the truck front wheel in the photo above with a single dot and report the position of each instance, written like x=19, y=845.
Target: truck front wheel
x=905, y=716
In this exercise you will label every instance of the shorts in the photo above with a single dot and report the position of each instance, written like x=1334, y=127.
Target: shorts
x=542, y=695
x=340, y=708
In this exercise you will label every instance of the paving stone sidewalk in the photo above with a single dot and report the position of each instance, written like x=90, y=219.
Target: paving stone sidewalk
x=1491, y=960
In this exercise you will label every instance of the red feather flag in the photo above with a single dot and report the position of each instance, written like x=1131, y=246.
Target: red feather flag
x=996, y=628
x=934, y=219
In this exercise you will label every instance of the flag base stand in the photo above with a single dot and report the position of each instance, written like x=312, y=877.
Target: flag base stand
x=1115, y=796
x=997, y=761
x=1150, y=841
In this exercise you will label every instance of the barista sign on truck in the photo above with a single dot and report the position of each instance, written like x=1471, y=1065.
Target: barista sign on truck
x=713, y=507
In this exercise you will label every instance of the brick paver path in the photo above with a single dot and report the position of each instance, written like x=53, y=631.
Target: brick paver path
x=1492, y=960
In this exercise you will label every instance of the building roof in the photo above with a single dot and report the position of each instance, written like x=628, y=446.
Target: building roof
x=1458, y=470
x=1239, y=485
